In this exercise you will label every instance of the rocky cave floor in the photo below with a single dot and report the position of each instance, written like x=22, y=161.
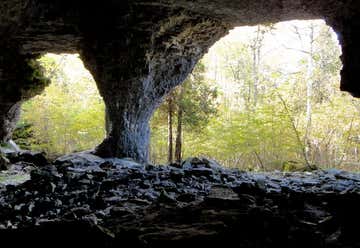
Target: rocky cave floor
x=81, y=199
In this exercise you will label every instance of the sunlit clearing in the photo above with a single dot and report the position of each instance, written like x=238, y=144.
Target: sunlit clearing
x=284, y=48
x=277, y=107
x=69, y=115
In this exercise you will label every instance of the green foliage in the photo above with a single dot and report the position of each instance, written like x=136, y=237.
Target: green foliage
x=260, y=125
x=242, y=105
x=23, y=134
x=69, y=115
x=291, y=165
x=196, y=99
x=35, y=79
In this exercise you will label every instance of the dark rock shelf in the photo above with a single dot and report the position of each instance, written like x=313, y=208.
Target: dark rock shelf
x=83, y=200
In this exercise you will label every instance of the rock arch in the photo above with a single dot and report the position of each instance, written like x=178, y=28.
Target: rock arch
x=138, y=50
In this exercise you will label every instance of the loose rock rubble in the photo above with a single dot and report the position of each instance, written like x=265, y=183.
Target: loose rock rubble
x=86, y=200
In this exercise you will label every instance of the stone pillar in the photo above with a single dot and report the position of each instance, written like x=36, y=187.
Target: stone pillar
x=9, y=116
x=128, y=133
x=134, y=74
x=131, y=93
x=348, y=31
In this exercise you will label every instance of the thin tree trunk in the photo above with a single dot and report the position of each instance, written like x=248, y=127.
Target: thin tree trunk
x=309, y=89
x=260, y=161
x=178, y=146
x=292, y=122
x=170, y=128
x=256, y=63
x=254, y=75
x=179, y=132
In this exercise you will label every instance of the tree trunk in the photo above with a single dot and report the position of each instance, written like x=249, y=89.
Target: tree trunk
x=309, y=90
x=170, y=127
x=178, y=146
x=256, y=52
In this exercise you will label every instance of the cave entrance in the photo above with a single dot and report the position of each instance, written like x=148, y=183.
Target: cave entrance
x=68, y=116
x=264, y=98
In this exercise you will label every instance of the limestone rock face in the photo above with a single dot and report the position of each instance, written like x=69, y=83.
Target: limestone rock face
x=138, y=50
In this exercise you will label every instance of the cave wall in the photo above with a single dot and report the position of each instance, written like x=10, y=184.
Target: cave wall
x=138, y=50
x=21, y=78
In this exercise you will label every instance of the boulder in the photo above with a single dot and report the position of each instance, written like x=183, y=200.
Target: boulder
x=38, y=159
x=78, y=160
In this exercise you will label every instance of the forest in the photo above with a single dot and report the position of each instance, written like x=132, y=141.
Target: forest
x=263, y=98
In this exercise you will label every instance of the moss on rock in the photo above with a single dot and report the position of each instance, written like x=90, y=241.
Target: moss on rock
x=35, y=80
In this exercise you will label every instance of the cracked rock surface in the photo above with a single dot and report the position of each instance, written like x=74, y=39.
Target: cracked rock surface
x=82, y=199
